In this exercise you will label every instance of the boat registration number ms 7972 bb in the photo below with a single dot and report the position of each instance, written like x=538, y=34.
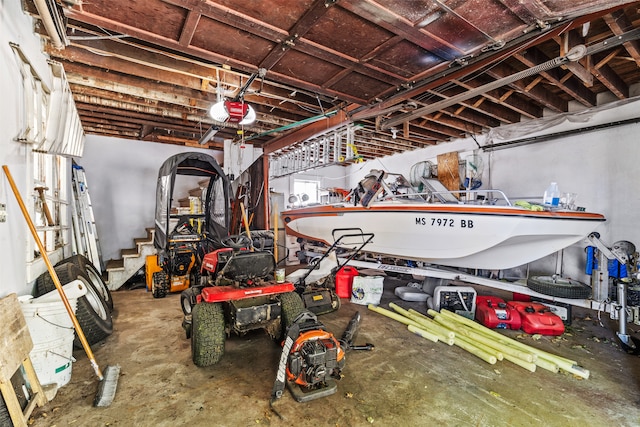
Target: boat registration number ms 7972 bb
x=445, y=222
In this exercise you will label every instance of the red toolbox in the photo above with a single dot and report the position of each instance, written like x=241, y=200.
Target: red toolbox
x=495, y=313
x=538, y=319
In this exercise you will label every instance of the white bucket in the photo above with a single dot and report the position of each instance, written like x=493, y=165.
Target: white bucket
x=52, y=332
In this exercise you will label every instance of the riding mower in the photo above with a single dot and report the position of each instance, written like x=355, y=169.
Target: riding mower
x=183, y=235
x=239, y=295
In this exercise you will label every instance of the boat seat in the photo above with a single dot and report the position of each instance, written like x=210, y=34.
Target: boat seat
x=439, y=191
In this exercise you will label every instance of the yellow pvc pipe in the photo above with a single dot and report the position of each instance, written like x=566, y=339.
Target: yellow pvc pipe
x=397, y=317
x=428, y=324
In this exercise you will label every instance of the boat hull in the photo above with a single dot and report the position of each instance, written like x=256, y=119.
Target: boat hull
x=470, y=236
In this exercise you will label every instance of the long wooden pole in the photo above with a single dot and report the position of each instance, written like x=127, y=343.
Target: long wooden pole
x=275, y=233
x=245, y=221
x=54, y=275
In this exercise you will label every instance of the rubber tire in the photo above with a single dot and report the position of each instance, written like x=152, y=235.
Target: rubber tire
x=92, y=312
x=195, y=277
x=85, y=264
x=188, y=300
x=561, y=287
x=292, y=306
x=5, y=418
x=160, y=284
x=207, y=334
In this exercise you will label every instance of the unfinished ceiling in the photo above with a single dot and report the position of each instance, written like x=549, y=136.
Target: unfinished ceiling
x=411, y=72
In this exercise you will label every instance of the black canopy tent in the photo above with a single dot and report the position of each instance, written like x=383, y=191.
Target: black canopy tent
x=215, y=204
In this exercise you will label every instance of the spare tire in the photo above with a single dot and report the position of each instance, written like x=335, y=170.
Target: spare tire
x=92, y=272
x=560, y=287
x=92, y=311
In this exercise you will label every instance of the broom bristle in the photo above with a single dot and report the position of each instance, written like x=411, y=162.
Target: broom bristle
x=107, y=387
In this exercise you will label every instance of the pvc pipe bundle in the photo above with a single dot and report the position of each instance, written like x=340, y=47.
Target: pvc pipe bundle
x=479, y=340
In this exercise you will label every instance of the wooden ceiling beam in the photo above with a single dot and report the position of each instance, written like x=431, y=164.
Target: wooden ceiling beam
x=503, y=115
x=618, y=22
x=106, y=115
x=164, y=60
x=605, y=74
x=120, y=28
x=573, y=87
x=171, y=97
x=526, y=109
x=537, y=93
x=291, y=40
x=580, y=68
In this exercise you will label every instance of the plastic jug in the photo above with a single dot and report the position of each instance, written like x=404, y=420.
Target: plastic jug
x=552, y=195
x=344, y=281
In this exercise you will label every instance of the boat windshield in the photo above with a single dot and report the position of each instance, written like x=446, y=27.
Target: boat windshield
x=380, y=186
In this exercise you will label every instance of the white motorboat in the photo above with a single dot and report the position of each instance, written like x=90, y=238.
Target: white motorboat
x=477, y=234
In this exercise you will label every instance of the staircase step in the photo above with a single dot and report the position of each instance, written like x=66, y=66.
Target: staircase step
x=129, y=252
x=142, y=240
x=115, y=264
x=195, y=192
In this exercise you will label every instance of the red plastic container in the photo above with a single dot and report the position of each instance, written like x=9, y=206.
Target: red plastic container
x=538, y=319
x=344, y=281
x=495, y=313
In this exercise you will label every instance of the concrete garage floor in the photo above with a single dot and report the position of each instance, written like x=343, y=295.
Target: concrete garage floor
x=405, y=381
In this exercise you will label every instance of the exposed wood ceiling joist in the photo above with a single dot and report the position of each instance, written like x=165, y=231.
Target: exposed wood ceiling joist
x=151, y=69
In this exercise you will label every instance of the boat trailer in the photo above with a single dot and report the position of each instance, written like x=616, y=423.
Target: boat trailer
x=600, y=301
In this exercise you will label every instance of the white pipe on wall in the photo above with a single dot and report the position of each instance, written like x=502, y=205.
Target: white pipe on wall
x=49, y=26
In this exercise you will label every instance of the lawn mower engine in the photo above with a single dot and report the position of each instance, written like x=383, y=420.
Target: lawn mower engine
x=312, y=358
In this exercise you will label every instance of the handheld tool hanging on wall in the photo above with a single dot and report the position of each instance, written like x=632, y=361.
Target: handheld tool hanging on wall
x=312, y=358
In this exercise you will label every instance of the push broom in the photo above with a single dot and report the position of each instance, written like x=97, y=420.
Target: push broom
x=108, y=381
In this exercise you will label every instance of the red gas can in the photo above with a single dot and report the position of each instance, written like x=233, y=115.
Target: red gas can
x=538, y=319
x=494, y=312
x=344, y=281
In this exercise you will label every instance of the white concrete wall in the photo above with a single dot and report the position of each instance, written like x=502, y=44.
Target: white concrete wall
x=121, y=177
x=16, y=27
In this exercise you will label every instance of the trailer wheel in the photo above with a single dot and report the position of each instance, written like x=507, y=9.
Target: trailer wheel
x=559, y=287
x=160, y=284
x=96, y=279
x=92, y=312
x=292, y=306
x=207, y=334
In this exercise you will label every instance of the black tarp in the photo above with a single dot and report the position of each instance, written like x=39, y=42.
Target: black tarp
x=216, y=201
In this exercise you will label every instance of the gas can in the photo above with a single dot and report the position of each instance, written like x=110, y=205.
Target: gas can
x=344, y=281
x=495, y=313
x=538, y=319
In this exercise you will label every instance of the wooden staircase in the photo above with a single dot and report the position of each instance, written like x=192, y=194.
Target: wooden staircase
x=120, y=270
